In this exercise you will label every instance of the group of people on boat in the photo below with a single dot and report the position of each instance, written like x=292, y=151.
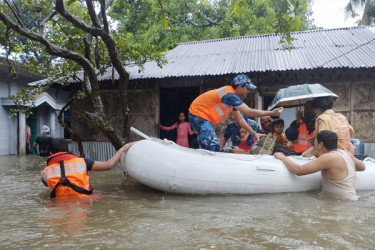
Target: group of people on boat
x=319, y=131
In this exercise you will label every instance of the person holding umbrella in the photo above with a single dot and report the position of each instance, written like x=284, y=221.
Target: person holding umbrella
x=301, y=95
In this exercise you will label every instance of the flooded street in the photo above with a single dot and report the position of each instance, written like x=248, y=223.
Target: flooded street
x=125, y=214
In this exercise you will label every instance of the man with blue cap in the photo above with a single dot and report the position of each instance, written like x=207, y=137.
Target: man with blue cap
x=216, y=105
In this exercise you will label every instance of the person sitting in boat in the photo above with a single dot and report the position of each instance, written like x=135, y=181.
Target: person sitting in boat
x=216, y=105
x=183, y=128
x=266, y=123
x=245, y=145
x=278, y=132
x=66, y=174
x=232, y=132
x=337, y=166
x=302, y=130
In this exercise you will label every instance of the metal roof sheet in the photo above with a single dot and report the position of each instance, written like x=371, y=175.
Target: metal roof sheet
x=352, y=47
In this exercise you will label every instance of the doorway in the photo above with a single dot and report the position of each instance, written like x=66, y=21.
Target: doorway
x=31, y=120
x=172, y=102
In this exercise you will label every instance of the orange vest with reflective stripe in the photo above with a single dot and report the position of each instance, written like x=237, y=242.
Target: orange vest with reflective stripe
x=209, y=106
x=302, y=144
x=75, y=172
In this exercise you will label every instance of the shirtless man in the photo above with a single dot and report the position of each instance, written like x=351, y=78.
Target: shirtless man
x=337, y=167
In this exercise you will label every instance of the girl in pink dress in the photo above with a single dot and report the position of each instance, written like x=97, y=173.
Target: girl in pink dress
x=183, y=128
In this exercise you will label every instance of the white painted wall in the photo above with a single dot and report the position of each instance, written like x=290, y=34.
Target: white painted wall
x=9, y=139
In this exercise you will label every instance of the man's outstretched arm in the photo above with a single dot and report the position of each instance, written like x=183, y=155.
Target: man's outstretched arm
x=308, y=168
x=107, y=165
x=243, y=108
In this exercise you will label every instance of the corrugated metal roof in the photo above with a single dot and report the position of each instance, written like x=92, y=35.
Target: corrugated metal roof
x=352, y=47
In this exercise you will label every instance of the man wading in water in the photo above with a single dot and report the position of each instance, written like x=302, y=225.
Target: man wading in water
x=67, y=175
x=338, y=167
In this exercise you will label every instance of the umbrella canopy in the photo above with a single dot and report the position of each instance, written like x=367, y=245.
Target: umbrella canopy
x=300, y=94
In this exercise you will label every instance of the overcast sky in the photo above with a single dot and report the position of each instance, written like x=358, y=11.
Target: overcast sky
x=331, y=14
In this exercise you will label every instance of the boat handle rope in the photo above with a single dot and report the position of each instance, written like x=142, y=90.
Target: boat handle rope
x=141, y=134
x=369, y=159
x=168, y=142
x=134, y=130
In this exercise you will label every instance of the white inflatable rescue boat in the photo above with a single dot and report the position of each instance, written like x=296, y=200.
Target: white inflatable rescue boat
x=166, y=166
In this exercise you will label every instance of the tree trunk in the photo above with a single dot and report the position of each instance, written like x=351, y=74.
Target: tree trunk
x=75, y=136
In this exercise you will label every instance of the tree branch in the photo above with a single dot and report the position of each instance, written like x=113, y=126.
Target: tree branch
x=92, y=13
x=54, y=50
x=103, y=9
x=60, y=8
x=45, y=20
x=109, y=132
x=16, y=15
x=97, y=54
x=87, y=49
x=74, y=135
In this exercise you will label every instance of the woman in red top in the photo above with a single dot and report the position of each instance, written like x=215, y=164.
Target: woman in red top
x=183, y=128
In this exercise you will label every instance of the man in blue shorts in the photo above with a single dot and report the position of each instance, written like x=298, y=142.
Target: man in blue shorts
x=216, y=105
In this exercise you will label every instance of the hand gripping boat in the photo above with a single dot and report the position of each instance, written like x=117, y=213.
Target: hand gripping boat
x=166, y=166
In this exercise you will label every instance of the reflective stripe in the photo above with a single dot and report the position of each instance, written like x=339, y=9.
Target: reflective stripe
x=302, y=142
x=44, y=176
x=70, y=168
x=302, y=135
x=222, y=92
x=220, y=112
x=228, y=108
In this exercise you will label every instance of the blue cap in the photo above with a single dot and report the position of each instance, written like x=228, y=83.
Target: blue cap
x=243, y=80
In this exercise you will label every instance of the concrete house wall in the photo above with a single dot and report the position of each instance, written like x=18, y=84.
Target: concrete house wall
x=12, y=132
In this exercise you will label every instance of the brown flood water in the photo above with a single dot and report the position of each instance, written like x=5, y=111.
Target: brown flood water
x=125, y=214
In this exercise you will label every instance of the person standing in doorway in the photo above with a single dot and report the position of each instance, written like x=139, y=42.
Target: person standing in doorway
x=43, y=141
x=183, y=129
x=27, y=138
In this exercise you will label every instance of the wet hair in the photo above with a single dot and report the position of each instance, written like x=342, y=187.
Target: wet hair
x=308, y=103
x=277, y=121
x=59, y=145
x=322, y=103
x=328, y=138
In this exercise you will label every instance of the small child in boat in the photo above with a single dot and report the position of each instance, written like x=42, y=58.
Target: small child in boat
x=278, y=132
x=183, y=128
x=245, y=144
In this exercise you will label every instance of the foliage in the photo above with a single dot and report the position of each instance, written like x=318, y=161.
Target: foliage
x=368, y=16
x=191, y=20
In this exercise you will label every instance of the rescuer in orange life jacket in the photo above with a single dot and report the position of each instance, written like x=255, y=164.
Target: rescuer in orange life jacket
x=66, y=175
x=215, y=106
x=302, y=129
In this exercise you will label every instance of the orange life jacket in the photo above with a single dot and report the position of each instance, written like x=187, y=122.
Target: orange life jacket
x=302, y=144
x=66, y=177
x=209, y=106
